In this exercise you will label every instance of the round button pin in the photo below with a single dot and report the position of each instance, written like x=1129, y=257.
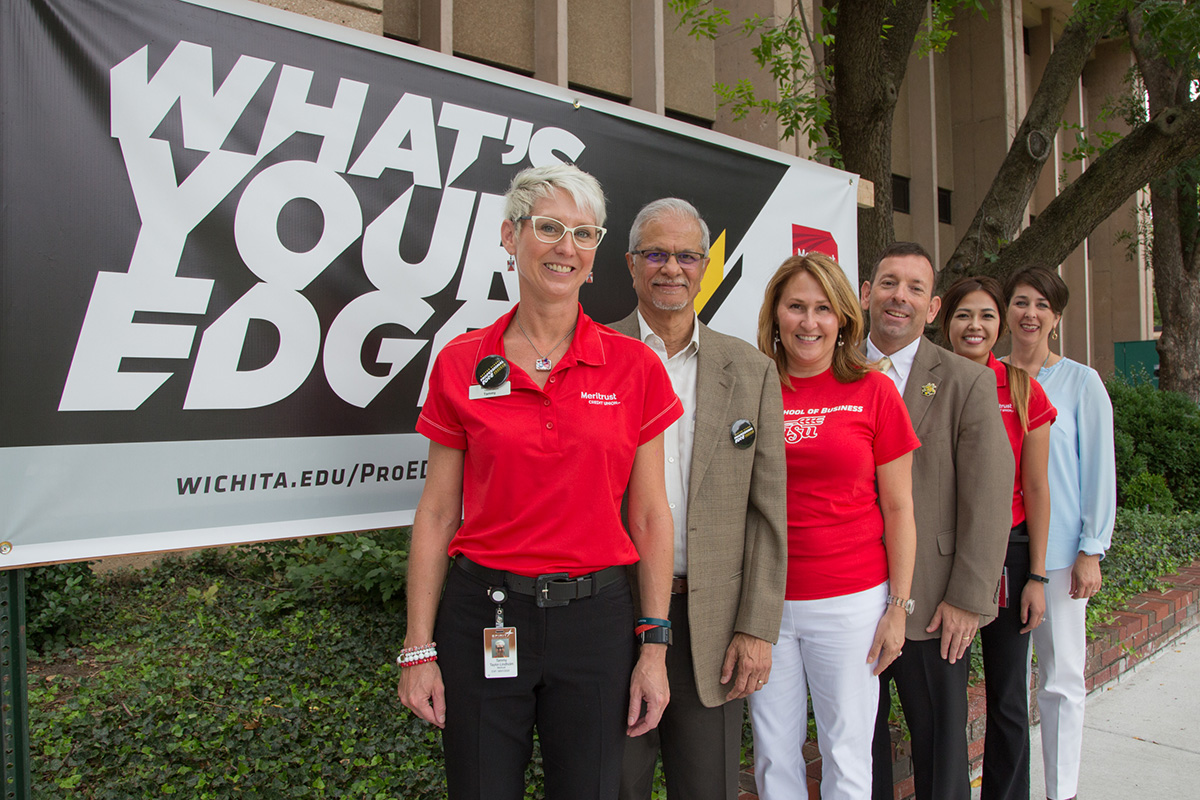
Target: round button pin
x=491, y=371
x=497, y=594
x=743, y=434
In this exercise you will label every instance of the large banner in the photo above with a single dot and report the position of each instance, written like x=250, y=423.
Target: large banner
x=232, y=240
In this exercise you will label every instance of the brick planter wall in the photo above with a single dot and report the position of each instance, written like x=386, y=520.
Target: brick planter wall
x=1147, y=623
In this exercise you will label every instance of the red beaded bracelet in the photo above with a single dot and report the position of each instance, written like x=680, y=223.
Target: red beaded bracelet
x=426, y=660
x=417, y=654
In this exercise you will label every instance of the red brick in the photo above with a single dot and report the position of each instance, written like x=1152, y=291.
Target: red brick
x=905, y=789
x=1140, y=638
x=1181, y=597
x=1111, y=656
x=1157, y=628
x=976, y=705
x=976, y=728
x=814, y=789
x=1128, y=623
x=975, y=749
x=1157, y=609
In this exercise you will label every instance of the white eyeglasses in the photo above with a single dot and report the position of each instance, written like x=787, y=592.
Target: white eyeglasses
x=550, y=231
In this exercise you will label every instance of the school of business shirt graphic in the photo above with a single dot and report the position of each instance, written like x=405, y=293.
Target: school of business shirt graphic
x=794, y=430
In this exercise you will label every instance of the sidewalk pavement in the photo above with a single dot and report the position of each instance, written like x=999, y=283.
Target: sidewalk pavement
x=1141, y=735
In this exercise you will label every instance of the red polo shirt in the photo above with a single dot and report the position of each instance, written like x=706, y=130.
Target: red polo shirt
x=545, y=469
x=1041, y=412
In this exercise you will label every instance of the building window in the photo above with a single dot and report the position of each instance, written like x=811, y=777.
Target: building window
x=944, y=213
x=900, y=200
x=690, y=119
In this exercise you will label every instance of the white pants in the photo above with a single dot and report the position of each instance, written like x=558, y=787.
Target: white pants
x=1061, y=646
x=822, y=649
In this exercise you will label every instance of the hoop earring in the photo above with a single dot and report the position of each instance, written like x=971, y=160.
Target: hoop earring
x=1054, y=334
x=512, y=263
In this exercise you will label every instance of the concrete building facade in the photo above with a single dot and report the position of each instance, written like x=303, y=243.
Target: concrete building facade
x=956, y=116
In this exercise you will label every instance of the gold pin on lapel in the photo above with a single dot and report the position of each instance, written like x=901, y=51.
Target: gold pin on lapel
x=929, y=389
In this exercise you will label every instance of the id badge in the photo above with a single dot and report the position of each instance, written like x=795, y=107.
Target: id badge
x=1004, y=588
x=499, y=652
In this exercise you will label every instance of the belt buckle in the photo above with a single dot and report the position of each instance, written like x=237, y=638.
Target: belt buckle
x=542, y=590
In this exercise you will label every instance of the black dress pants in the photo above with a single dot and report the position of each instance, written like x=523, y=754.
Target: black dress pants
x=933, y=693
x=1005, y=664
x=573, y=663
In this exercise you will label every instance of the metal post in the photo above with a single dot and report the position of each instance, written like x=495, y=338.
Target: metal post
x=14, y=699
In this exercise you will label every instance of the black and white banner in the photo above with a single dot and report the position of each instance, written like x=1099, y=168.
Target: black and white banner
x=232, y=240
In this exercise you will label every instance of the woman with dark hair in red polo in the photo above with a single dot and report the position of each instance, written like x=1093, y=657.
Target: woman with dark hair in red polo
x=972, y=321
x=538, y=426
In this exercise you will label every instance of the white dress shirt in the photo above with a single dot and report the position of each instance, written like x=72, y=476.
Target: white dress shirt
x=677, y=439
x=902, y=361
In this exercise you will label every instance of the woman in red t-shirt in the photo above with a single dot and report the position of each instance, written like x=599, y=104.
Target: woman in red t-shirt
x=972, y=321
x=851, y=535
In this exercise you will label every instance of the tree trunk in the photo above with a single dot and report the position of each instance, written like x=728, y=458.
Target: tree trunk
x=1002, y=211
x=868, y=70
x=1176, y=222
x=1176, y=285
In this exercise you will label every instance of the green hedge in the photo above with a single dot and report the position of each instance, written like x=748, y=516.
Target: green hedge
x=1157, y=436
x=1145, y=546
x=195, y=687
x=60, y=600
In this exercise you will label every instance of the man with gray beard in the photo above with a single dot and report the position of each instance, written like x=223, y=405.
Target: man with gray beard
x=725, y=473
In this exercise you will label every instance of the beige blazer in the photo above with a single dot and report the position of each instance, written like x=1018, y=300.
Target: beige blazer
x=736, y=515
x=962, y=486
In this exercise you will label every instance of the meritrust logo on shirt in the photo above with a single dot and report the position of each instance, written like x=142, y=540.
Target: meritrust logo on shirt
x=600, y=398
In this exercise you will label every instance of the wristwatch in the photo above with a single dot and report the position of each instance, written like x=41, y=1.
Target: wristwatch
x=908, y=605
x=655, y=635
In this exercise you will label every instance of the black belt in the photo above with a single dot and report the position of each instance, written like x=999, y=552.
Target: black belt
x=550, y=590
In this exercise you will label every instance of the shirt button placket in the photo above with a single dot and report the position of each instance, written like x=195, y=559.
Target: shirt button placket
x=549, y=419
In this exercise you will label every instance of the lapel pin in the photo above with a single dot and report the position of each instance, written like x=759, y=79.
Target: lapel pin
x=743, y=434
x=491, y=371
x=929, y=389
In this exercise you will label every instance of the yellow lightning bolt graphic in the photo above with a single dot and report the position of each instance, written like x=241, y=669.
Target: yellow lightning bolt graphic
x=714, y=274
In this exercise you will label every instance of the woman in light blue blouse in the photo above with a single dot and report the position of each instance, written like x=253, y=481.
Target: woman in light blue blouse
x=1083, y=501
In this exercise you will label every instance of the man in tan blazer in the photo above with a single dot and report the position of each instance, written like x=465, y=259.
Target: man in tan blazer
x=962, y=498
x=725, y=476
